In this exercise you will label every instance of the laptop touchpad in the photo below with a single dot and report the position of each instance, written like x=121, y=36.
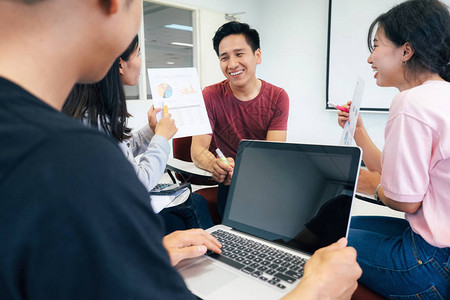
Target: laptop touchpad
x=206, y=277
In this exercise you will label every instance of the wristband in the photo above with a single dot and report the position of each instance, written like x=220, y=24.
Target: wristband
x=377, y=198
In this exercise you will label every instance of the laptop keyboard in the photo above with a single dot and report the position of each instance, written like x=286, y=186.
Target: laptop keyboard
x=260, y=261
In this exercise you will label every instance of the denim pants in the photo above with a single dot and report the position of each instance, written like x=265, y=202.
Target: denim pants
x=398, y=263
x=222, y=195
x=193, y=213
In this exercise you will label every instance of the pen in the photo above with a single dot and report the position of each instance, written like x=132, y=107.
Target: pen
x=338, y=107
x=222, y=157
x=165, y=109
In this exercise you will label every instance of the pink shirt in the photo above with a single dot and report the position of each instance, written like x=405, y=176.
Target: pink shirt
x=233, y=120
x=416, y=158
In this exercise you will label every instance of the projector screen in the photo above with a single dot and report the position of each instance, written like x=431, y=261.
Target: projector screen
x=348, y=24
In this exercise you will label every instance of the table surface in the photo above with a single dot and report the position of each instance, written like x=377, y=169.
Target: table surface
x=187, y=167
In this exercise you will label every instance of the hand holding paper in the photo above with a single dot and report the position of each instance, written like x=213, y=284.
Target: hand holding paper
x=350, y=124
x=151, y=114
x=166, y=127
x=342, y=115
x=339, y=107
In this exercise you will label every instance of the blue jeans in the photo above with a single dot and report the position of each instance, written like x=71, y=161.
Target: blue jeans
x=222, y=195
x=398, y=263
x=193, y=213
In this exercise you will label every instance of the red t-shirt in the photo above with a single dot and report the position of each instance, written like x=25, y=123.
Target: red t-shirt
x=233, y=120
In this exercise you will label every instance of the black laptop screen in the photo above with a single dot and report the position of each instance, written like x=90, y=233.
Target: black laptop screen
x=298, y=195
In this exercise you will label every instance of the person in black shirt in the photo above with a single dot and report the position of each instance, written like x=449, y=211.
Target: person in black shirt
x=75, y=222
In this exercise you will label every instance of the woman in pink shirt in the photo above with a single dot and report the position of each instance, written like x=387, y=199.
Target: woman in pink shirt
x=408, y=259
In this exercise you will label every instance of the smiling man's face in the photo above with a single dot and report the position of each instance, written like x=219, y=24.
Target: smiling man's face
x=237, y=60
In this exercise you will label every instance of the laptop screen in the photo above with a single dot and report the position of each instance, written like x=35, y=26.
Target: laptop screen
x=297, y=195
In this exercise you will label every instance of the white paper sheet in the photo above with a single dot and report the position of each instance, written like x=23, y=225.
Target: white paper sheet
x=159, y=202
x=350, y=125
x=179, y=90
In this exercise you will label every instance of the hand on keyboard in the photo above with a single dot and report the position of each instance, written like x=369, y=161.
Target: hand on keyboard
x=191, y=243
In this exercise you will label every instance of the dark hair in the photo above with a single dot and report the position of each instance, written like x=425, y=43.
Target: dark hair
x=425, y=25
x=103, y=103
x=233, y=27
x=133, y=46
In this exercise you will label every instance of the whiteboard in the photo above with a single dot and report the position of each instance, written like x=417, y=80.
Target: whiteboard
x=348, y=24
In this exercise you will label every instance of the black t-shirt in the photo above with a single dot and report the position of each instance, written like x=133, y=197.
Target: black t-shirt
x=75, y=222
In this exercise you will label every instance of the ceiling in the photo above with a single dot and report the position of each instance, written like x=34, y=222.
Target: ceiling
x=158, y=50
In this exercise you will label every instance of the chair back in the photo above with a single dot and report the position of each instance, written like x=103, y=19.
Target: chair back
x=182, y=148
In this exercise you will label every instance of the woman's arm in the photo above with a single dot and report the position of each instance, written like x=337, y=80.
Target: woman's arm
x=371, y=154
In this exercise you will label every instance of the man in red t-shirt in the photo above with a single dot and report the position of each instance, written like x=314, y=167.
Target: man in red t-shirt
x=240, y=107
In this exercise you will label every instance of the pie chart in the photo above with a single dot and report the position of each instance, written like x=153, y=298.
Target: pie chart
x=165, y=90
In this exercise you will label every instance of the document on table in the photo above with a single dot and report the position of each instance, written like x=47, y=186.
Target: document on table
x=178, y=89
x=350, y=125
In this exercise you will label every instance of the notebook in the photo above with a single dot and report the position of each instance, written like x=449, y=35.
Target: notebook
x=286, y=200
x=166, y=195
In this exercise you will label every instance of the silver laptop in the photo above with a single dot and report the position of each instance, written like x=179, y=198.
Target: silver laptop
x=285, y=201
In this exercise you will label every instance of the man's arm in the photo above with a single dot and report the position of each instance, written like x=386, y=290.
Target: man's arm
x=200, y=154
x=206, y=160
x=276, y=135
x=277, y=127
x=118, y=231
x=331, y=273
